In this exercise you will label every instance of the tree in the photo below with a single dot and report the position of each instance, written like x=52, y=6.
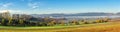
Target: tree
x=99, y=21
x=53, y=22
x=21, y=21
x=82, y=20
x=106, y=19
x=86, y=22
x=3, y=20
x=62, y=22
x=9, y=22
x=74, y=22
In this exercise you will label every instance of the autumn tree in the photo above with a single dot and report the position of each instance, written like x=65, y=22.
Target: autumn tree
x=62, y=22
x=106, y=19
x=53, y=22
x=74, y=22
x=99, y=20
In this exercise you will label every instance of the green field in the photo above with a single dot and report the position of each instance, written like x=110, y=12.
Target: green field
x=73, y=28
x=50, y=27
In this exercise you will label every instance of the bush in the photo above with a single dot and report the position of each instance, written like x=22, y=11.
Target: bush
x=86, y=22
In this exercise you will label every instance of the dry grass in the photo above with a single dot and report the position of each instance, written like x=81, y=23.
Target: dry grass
x=110, y=27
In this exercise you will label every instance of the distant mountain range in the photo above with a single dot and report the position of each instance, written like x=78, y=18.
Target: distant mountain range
x=78, y=14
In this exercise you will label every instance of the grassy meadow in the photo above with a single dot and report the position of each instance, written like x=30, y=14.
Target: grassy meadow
x=99, y=27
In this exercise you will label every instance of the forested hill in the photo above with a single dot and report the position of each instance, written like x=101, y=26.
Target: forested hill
x=77, y=14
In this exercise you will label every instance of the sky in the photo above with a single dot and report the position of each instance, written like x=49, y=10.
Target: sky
x=59, y=6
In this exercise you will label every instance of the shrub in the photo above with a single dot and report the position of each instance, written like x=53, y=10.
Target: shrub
x=86, y=22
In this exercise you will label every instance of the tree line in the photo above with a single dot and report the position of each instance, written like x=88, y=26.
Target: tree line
x=46, y=22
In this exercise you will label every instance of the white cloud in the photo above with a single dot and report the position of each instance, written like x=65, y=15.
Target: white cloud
x=12, y=11
x=34, y=5
x=7, y=5
x=2, y=11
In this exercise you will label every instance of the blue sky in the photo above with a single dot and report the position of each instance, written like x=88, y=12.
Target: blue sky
x=59, y=6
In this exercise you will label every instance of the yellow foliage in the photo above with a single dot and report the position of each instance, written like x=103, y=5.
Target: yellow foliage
x=52, y=22
x=3, y=20
x=62, y=22
x=21, y=21
x=10, y=21
x=98, y=21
